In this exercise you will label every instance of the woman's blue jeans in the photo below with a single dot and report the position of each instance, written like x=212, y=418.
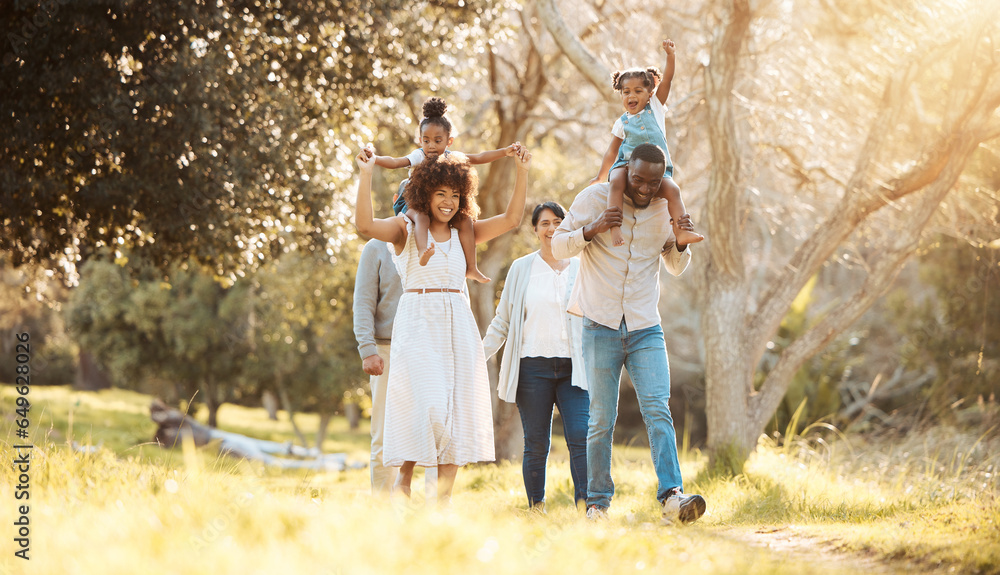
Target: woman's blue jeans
x=544, y=382
x=644, y=353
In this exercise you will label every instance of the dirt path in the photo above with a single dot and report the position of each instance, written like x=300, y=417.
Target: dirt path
x=794, y=543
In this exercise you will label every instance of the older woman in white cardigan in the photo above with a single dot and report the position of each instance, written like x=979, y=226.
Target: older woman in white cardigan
x=542, y=363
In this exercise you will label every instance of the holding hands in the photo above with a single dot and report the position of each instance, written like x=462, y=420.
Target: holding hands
x=366, y=159
x=523, y=157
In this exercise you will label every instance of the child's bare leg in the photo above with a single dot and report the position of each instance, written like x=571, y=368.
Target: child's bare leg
x=616, y=198
x=467, y=236
x=404, y=478
x=421, y=223
x=672, y=193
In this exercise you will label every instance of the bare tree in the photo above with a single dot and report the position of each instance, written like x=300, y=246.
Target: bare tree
x=909, y=154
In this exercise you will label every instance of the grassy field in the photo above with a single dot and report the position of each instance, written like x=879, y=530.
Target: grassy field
x=920, y=503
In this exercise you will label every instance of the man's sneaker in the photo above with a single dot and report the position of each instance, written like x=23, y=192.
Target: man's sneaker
x=683, y=508
x=597, y=513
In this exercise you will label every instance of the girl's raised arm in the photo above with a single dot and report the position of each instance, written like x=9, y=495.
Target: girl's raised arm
x=663, y=89
x=490, y=228
x=391, y=230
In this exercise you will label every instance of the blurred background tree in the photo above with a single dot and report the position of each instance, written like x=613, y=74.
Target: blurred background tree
x=302, y=338
x=200, y=129
x=172, y=338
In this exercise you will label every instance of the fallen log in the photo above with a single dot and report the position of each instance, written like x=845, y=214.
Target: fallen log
x=174, y=426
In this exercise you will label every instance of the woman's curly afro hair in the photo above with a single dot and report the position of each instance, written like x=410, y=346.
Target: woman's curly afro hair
x=451, y=170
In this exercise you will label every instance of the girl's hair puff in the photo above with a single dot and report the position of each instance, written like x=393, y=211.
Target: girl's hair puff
x=650, y=77
x=434, y=110
x=451, y=170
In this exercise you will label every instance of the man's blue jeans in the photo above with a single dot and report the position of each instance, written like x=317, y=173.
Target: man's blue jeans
x=544, y=382
x=644, y=354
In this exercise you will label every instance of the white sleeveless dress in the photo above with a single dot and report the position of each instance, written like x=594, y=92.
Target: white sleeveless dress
x=437, y=407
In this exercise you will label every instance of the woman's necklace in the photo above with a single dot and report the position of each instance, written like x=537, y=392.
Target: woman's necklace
x=558, y=266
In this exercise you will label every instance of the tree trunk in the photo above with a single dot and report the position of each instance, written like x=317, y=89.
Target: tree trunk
x=324, y=423
x=353, y=413
x=90, y=376
x=286, y=404
x=213, y=408
x=728, y=379
x=270, y=404
x=512, y=118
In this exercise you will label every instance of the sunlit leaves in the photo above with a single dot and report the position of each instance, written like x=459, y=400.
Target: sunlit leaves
x=199, y=123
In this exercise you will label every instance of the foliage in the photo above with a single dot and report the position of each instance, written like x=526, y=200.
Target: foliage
x=30, y=303
x=201, y=129
x=286, y=326
x=301, y=331
x=180, y=328
x=954, y=330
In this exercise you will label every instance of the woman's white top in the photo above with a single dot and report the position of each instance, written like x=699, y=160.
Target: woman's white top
x=545, y=333
x=510, y=320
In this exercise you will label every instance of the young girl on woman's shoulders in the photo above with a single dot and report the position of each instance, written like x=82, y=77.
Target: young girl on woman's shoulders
x=435, y=138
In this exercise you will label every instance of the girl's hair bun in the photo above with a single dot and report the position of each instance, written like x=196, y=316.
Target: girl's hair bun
x=435, y=107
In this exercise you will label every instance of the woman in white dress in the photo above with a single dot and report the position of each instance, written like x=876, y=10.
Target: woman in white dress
x=438, y=409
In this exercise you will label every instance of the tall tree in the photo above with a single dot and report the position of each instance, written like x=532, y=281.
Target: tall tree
x=206, y=130
x=300, y=331
x=912, y=118
x=198, y=129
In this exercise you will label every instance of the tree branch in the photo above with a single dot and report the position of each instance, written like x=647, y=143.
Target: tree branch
x=592, y=69
x=883, y=270
x=862, y=199
x=724, y=204
x=799, y=168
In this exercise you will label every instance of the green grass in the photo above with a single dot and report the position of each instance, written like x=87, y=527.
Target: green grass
x=924, y=502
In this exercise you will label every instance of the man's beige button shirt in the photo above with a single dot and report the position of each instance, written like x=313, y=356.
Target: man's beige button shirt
x=616, y=282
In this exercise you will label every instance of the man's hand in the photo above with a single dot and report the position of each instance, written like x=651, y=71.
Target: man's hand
x=373, y=364
x=609, y=218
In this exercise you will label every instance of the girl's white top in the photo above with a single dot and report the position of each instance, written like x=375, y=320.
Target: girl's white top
x=545, y=333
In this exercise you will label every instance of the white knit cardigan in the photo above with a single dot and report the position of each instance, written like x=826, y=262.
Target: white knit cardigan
x=508, y=323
